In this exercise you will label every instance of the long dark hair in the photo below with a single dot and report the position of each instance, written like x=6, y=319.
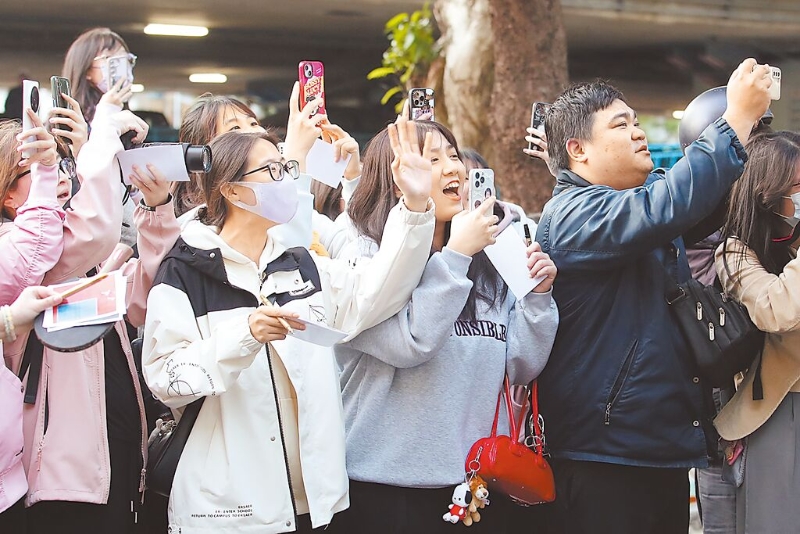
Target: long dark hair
x=230, y=151
x=78, y=61
x=377, y=194
x=772, y=162
x=198, y=127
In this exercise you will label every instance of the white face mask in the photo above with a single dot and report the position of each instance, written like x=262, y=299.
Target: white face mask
x=794, y=219
x=275, y=201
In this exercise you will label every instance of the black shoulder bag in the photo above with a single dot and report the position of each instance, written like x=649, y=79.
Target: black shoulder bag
x=165, y=451
x=718, y=332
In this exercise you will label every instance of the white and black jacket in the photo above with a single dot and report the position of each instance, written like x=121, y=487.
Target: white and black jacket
x=233, y=474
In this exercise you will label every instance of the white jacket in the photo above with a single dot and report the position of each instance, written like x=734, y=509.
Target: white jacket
x=233, y=476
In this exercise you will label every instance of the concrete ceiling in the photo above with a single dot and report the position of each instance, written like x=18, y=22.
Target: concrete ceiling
x=663, y=49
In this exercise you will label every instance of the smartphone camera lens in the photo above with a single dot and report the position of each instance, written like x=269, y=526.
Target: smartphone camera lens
x=477, y=183
x=35, y=100
x=307, y=70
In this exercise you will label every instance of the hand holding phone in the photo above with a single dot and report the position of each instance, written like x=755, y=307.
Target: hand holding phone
x=775, y=88
x=538, y=112
x=481, y=187
x=421, y=103
x=30, y=101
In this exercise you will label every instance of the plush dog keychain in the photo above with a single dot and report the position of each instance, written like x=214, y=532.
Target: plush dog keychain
x=468, y=497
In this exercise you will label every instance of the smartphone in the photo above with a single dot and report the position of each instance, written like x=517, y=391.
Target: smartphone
x=58, y=86
x=538, y=112
x=421, y=103
x=481, y=187
x=312, y=84
x=30, y=100
x=117, y=68
x=775, y=88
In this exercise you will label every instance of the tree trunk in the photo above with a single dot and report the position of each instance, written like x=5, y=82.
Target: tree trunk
x=467, y=77
x=502, y=56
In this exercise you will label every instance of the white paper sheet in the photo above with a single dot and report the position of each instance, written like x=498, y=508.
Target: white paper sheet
x=509, y=257
x=101, y=303
x=167, y=158
x=319, y=334
x=320, y=164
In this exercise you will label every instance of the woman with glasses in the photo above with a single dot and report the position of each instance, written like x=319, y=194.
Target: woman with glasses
x=211, y=116
x=87, y=67
x=84, y=427
x=267, y=453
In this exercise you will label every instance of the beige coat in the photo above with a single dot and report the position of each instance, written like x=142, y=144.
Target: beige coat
x=773, y=303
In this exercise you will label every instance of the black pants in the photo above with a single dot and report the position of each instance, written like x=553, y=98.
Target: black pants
x=601, y=498
x=63, y=517
x=14, y=519
x=377, y=508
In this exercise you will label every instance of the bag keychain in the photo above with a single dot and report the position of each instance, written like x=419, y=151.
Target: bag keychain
x=469, y=498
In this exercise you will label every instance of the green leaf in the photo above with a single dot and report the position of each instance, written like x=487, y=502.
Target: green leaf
x=390, y=93
x=395, y=21
x=380, y=72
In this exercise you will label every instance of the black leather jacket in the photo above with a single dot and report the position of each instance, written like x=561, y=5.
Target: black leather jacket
x=619, y=386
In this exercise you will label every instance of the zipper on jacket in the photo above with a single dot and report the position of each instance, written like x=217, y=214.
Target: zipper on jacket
x=616, y=389
x=283, y=439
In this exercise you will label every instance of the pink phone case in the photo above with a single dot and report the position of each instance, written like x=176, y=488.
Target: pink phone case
x=312, y=83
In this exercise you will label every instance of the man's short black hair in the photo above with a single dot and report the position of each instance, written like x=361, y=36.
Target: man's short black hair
x=571, y=116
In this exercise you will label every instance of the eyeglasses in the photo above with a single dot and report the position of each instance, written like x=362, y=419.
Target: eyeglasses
x=67, y=166
x=277, y=169
x=130, y=57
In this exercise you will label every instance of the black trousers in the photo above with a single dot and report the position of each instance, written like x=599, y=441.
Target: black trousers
x=377, y=508
x=601, y=498
x=64, y=517
x=14, y=519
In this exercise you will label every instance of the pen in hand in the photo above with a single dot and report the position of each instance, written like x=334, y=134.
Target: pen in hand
x=265, y=301
x=528, y=240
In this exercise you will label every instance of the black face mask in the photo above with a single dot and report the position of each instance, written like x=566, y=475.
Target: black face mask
x=789, y=239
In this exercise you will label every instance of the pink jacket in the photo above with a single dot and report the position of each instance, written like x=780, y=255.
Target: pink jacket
x=69, y=460
x=31, y=244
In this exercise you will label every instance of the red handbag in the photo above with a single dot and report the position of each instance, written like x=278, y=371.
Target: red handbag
x=518, y=470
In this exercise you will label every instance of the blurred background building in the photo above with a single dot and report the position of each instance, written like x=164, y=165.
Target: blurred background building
x=660, y=52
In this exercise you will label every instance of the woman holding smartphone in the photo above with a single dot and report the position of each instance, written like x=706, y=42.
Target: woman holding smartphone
x=269, y=438
x=421, y=387
x=84, y=416
x=758, y=266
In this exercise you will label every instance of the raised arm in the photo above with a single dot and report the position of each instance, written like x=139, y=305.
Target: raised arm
x=157, y=231
x=92, y=225
x=32, y=243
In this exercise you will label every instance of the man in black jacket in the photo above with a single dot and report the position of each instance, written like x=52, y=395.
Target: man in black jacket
x=622, y=399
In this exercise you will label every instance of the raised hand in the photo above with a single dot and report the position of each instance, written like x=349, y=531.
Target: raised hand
x=39, y=142
x=125, y=121
x=73, y=119
x=344, y=146
x=748, y=97
x=411, y=168
x=303, y=127
x=120, y=93
x=152, y=183
x=472, y=231
x=540, y=264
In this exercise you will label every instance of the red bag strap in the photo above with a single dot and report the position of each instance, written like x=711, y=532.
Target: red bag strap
x=496, y=414
x=513, y=425
x=536, y=421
